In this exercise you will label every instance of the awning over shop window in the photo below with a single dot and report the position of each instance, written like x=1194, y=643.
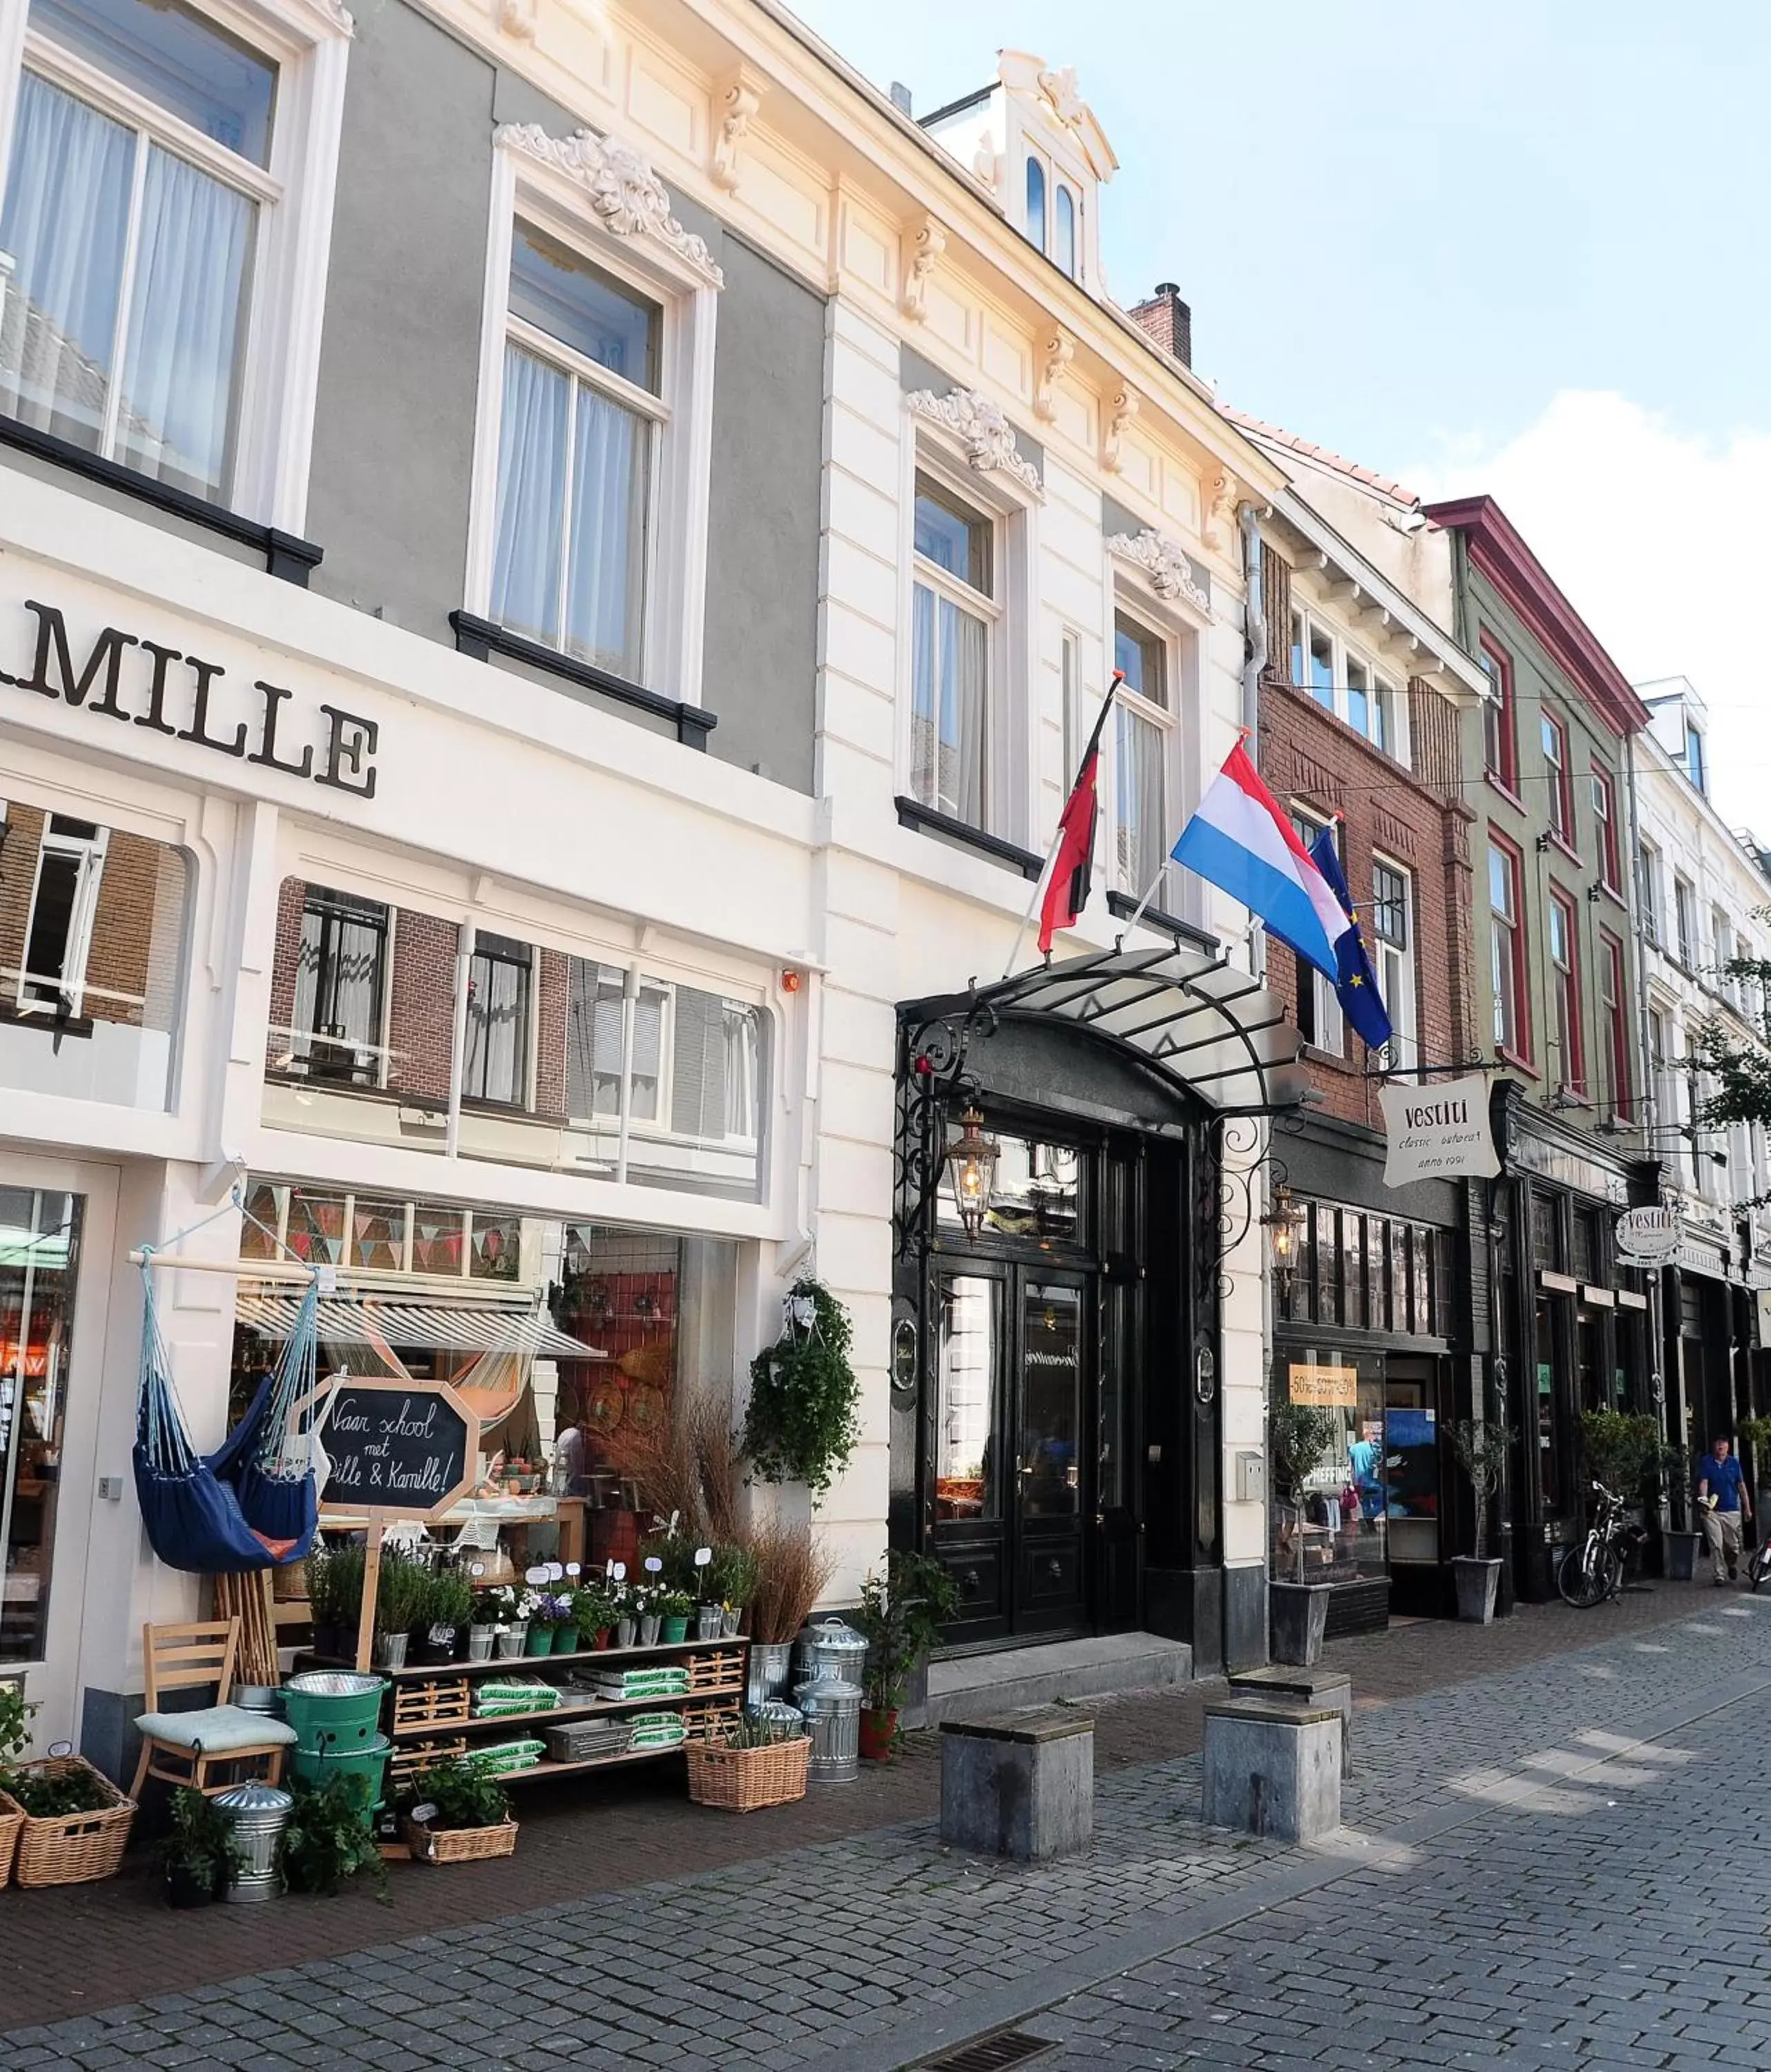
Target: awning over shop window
x=435, y=1326
x=1203, y=1025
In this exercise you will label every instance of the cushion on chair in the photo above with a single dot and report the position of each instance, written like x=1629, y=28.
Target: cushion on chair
x=214, y=1730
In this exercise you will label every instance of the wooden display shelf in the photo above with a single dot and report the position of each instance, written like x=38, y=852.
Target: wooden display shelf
x=511, y=1665
x=547, y=1767
x=556, y=1713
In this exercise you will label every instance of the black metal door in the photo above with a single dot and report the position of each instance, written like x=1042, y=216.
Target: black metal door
x=1056, y=1318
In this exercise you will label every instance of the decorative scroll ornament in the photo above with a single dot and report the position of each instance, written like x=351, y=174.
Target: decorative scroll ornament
x=627, y=195
x=515, y=18
x=1220, y=499
x=1061, y=96
x=986, y=434
x=1059, y=353
x=739, y=101
x=1163, y=560
x=923, y=250
x=1125, y=407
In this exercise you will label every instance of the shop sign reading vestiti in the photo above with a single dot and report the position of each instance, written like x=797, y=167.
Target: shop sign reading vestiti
x=1437, y=1132
x=1651, y=1236
x=1323, y=1387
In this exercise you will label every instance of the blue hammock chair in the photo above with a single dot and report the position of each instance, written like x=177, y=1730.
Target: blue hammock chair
x=250, y=1504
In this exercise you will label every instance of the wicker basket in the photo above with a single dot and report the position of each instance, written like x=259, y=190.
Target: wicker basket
x=12, y=1819
x=460, y=1845
x=740, y=1779
x=73, y=1848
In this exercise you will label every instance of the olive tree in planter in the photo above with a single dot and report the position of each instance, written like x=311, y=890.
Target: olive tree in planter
x=1482, y=1451
x=1301, y=1438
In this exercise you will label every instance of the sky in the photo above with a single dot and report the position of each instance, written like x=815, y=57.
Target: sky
x=1519, y=246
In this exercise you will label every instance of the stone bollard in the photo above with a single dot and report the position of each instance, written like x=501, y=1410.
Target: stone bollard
x=1020, y=1786
x=1307, y=1687
x=1273, y=1767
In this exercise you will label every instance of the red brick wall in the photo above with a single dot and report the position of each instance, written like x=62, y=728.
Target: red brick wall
x=1310, y=759
x=130, y=954
x=552, y=995
x=422, y=1021
x=291, y=898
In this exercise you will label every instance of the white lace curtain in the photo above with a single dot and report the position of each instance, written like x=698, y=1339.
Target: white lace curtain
x=947, y=707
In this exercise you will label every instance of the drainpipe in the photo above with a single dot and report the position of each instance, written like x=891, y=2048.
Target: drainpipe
x=1669, y=1408
x=1254, y=627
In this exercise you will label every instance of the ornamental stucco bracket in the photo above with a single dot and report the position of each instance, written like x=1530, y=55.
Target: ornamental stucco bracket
x=1164, y=560
x=980, y=427
x=626, y=196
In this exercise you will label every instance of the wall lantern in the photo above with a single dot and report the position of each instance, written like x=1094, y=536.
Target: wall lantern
x=1285, y=1222
x=971, y=1170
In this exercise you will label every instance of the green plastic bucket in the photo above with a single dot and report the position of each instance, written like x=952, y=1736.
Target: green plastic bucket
x=368, y=1762
x=333, y=1709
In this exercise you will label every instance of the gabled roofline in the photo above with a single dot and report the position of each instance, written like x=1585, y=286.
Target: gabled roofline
x=1499, y=549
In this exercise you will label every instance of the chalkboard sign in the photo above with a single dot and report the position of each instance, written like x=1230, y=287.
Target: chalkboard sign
x=407, y=1448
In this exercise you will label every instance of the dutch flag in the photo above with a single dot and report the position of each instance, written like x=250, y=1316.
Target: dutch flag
x=1241, y=841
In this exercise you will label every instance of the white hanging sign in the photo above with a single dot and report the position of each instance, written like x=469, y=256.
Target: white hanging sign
x=1437, y=1132
x=1649, y=1236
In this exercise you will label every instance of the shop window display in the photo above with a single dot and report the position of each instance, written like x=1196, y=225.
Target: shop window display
x=1341, y=1510
x=92, y=937
x=39, y=1240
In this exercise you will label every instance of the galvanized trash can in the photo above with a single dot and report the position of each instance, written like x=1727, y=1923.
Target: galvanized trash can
x=259, y=1813
x=787, y=1720
x=827, y=1647
x=832, y=1711
x=770, y=1667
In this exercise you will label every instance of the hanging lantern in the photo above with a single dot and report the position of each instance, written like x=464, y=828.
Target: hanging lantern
x=1284, y=1223
x=972, y=1171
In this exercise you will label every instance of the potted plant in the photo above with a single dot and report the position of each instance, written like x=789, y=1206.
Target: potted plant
x=792, y=1569
x=401, y=1590
x=804, y=1419
x=329, y=1836
x=647, y=1614
x=507, y=1605
x=455, y=1814
x=731, y=1582
x=674, y=1607
x=76, y=1823
x=1301, y=1436
x=321, y=1600
x=593, y=1613
x=446, y=1614
x=1482, y=1451
x=344, y=1571
x=567, y=1634
x=198, y=1852
x=1668, y=1468
x=901, y=1617
x=759, y=1761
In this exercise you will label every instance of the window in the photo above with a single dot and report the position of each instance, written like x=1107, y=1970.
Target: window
x=579, y=417
x=1560, y=804
x=1665, y=1080
x=1064, y=243
x=1321, y=664
x=1565, y=991
x=1320, y=1019
x=1604, y=821
x=1685, y=921
x=159, y=173
x=1721, y=950
x=1648, y=884
x=1392, y=932
x=340, y=983
x=496, y=1065
x=1500, y=743
x=1358, y=695
x=952, y=617
x=1321, y=667
x=598, y=1042
x=1036, y=203
x=1071, y=681
x=64, y=905
x=1300, y=643
x=1143, y=726
x=1506, y=935
x=1695, y=767
x=1614, y=1026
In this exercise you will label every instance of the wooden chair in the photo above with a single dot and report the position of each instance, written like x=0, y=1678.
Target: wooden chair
x=178, y=1748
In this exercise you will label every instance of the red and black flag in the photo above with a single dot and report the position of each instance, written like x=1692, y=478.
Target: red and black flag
x=1073, y=857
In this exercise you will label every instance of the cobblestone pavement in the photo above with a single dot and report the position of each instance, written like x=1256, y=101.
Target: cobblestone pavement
x=1511, y=1851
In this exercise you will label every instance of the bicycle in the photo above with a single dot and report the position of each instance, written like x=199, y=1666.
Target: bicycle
x=1591, y=1571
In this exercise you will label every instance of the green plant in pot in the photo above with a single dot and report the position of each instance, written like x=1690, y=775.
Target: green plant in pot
x=338, y=1609
x=402, y=1590
x=803, y=1424
x=594, y=1612
x=673, y=1608
x=330, y=1836
x=1616, y=1446
x=457, y=1795
x=198, y=1852
x=1301, y=1436
x=446, y=1612
x=731, y=1581
x=901, y=1617
x=1483, y=1452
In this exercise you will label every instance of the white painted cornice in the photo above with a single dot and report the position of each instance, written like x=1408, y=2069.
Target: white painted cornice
x=624, y=194
x=1164, y=560
x=982, y=430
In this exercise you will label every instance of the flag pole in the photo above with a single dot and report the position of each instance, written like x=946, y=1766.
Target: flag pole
x=1242, y=734
x=1089, y=747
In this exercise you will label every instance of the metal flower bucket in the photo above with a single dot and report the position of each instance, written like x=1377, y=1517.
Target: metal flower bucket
x=259, y=1813
x=771, y=1666
x=832, y=1711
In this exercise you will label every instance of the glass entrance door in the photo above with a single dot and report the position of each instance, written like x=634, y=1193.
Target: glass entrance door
x=1014, y=1365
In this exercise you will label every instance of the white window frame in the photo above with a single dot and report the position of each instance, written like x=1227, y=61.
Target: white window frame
x=1327, y=1013
x=1165, y=719
x=1686, y=947
x=531, y=178
x=1648, y=891
x=309, y=41
x=1010, y=774
x=1182, y=629
x=1382, y=688
x=1396, y=965
x=88, y=852
x=524, y=1103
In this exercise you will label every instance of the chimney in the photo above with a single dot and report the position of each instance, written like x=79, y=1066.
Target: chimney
x=1168, y=320
x=901, y=97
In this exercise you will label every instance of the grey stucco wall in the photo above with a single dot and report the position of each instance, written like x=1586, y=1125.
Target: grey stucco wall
x=393, y=432
x=761, y=640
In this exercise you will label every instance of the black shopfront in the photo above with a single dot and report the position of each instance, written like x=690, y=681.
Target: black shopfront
x=1056, y=1431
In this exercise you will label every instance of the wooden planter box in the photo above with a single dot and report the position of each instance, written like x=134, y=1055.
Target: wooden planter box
x=739, y=1780
x=460, y=1845
x=72, y=1848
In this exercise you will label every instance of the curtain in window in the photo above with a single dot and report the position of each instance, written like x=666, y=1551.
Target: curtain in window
x=193, y=249
x=65, y=222
x=948, y=648
x=497, y=1030
x=608, y=535
x=743, y=1072
x=1142, y=817
x=532, y=474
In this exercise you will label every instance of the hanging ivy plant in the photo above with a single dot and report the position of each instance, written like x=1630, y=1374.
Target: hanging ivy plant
x=802, y=1423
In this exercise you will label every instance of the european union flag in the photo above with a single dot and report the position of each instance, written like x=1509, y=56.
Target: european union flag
x=1355, y=986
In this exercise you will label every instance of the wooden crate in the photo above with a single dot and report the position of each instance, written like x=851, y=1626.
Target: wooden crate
x=409, y=1757
x=708, y=1719
x=718, y=1668
x=447, y=1702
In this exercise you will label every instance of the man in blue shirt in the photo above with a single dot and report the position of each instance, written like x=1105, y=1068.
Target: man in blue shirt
x=1722, y=1497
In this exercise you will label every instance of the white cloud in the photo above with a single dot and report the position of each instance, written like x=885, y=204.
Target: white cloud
x=1659, y=540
